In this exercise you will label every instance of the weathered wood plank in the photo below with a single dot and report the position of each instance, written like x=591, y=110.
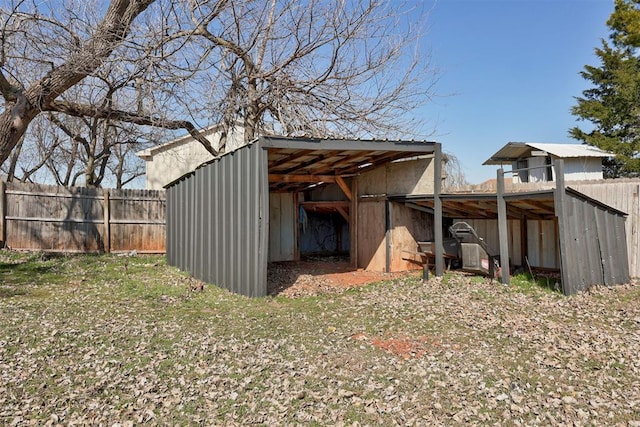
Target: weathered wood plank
x=42, y=217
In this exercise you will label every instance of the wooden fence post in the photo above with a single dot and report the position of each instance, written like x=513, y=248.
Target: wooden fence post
x=3, y=214
x=107, y=223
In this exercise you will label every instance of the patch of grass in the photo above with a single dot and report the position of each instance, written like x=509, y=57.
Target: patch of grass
x=527, y=283
x=478, y=279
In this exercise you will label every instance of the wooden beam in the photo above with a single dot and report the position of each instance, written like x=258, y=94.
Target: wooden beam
x=344, y=187
x=419, y=207
x=286, y=159
x=301, y=178
x=342, y=211
x=325, y=205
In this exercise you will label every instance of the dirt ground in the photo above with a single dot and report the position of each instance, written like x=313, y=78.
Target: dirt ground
x=321, y=275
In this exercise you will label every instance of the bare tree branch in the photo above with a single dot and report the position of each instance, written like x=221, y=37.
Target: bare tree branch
x=124, y=116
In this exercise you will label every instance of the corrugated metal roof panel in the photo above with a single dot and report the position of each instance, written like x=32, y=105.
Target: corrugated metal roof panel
x=516, y=150
x=570, y=150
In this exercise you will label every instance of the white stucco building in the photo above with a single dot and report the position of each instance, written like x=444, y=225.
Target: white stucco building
x=166, y=162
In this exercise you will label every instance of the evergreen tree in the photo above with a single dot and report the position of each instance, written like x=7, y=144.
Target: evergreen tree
x=612, y=105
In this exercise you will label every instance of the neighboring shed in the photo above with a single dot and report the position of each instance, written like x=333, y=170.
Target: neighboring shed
x=534, y=160
x=230, y=217
x=552, y=228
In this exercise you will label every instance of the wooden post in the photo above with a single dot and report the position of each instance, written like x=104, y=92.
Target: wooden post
x=503, y=232
x=3, y=214
x=437, y=210
x=524, y=241
x=387, y=235
x=353, y=223
x=559, y=201
x=107, y=222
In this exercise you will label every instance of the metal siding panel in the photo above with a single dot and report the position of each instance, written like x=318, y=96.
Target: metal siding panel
x=245, y=215
x=217, y=248
x=571, y=284
x=224, y=235
x=210, y=224
x=169, y=224
x=255, y=173
x=618, y=249
x=190, y=226
x=189, y=214
x=606, y=228
x=202, y=225
x=588, y=265
x=596, y=244
x=222, y=222
x=593, y=271
x=183, y=225
x=262, y=183
x=241, y=205
x=197, y=237
x=238, y=202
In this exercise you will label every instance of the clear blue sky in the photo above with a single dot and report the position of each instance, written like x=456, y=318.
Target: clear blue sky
x=511, y=68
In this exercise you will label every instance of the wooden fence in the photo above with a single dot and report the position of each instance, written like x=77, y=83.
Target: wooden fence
x=49, y=218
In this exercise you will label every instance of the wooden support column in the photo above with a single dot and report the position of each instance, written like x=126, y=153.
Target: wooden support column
x=437, y=210
x=387, y=236
x=107, y=222
x=503, y=231
x=353, y=223
x=559, y=197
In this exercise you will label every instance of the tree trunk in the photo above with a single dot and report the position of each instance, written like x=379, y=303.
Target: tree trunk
x=27, y=104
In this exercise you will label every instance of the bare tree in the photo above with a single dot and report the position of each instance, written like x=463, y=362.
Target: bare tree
x=315, y=68
x=454, y=174
x=60, y=47
x=341, y=68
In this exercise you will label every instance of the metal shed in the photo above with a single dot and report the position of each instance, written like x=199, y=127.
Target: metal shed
x=218, y=217
x=589, y=235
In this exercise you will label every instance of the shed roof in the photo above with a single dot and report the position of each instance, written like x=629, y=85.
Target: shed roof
x=296, y=163
x=517, y=150
x=521, y=205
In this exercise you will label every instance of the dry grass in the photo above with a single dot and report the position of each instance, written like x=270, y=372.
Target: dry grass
x=116, y=340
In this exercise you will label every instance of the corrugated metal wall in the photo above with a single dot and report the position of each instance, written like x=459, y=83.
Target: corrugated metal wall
x=622, y=194
x=217, y=222
x=593, y=249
